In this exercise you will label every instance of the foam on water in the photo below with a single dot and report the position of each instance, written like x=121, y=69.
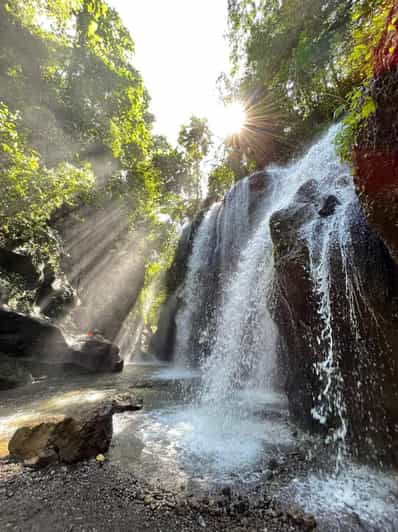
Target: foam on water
x=189, y=442
x=226, y=429
x=358, y=497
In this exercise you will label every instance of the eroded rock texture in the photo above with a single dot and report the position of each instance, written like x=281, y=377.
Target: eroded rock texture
x=71, y=438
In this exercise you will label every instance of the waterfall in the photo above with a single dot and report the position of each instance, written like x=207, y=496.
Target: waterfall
x=245, y=335
x=234, y=214
x=226, y=322
x=244, y=346
x=195, y=288
x=215, y=250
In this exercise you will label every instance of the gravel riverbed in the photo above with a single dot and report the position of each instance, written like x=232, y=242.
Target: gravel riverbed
x=91, y=497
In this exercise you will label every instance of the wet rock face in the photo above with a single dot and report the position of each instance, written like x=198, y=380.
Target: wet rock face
x=366, y=325
x=16, y=263
x=35, y=286
x=177, y=271
x=295, y=304
x=363, y=294
x=12, y=374
x=375, y=265
x=41, y=346
x=162, y=342
x=67, y=440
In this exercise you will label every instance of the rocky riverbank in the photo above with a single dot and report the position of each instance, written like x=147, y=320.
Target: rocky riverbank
x=92, y=496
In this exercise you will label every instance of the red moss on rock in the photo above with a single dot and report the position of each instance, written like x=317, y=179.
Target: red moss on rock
x=386, y=53
x=376, y=153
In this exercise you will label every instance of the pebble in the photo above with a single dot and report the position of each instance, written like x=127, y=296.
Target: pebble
x=268, y=474
x=273, y=463
x=227, y=491
x=225, y=509
x=201, y=521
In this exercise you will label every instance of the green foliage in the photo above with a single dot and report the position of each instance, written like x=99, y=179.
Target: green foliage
x=31, y=193
x=73, y=101
x=368, y=22
x=15, y=292
x=291, y=47
x=154, y=293
x=361, y=107
x=65, y=65
x=220, y=180
x=195, y=140
x=75, y=136
x=308, y=58
x=172, y=165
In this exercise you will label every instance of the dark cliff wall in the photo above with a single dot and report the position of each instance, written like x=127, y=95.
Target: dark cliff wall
x=363, y=283
x=162, y=342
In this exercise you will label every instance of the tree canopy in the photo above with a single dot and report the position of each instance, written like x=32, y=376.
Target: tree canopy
x=74, y=119
x=301, y=61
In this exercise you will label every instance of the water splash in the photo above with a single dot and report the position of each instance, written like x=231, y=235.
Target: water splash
x=330, y=401
x=357, y=499
x=245, y=336
x=215, y=251
x=240, y=335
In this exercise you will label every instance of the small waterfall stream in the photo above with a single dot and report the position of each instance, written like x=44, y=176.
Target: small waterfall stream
x=194, y=291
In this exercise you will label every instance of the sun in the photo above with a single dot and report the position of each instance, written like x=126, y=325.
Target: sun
x=229, y=120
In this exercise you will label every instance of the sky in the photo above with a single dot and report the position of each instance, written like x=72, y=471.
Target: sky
x=180, y=51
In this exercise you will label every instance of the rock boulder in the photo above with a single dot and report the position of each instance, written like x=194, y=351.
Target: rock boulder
x=39, y=343
x=69, y=439
x=362, y=288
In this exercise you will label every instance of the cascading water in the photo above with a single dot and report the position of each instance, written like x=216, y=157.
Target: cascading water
x=214, y=252
x=194, y=291
x=244, y=347
x=234, y=214
x=245, y=335
x=330, y=400
x=227, y=326
x=242, y=354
